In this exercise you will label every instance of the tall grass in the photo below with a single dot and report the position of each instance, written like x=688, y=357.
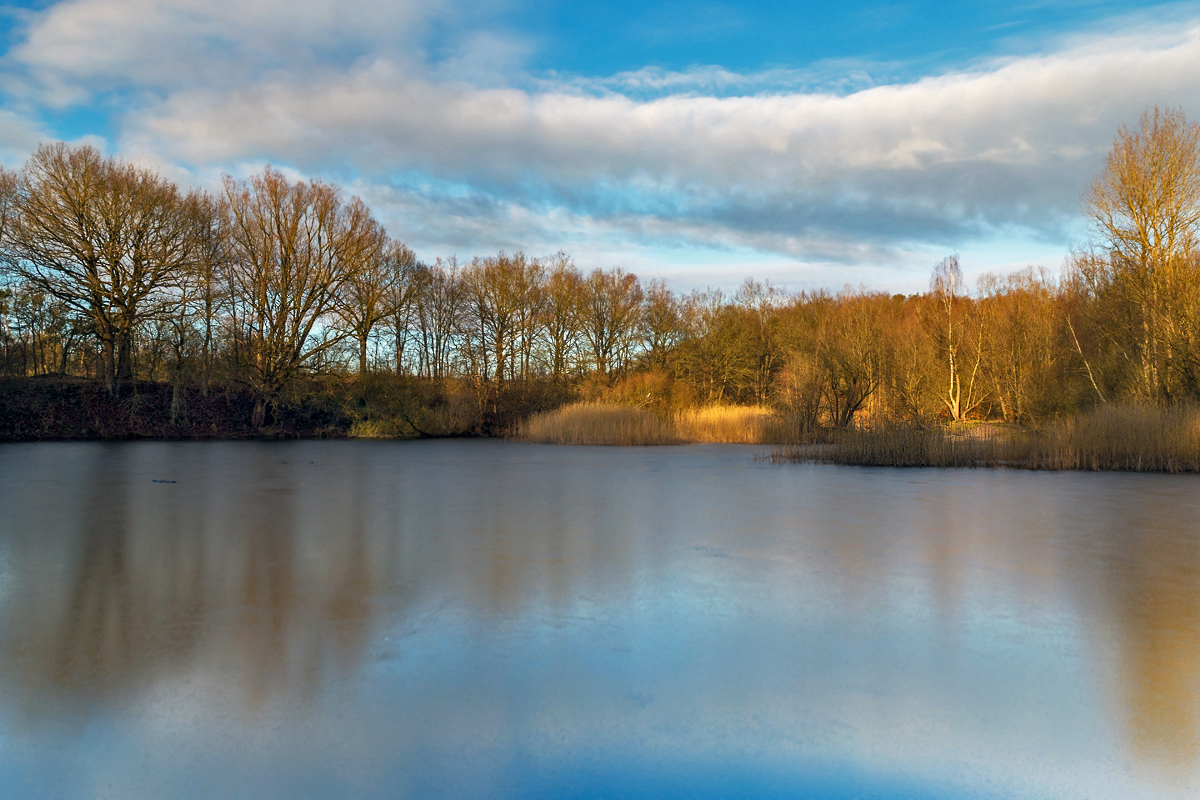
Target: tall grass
x=734, y=424
x=1123, y=437
x=599, y=423
x=607, y=423
x=907, y=446
x=1111, y=437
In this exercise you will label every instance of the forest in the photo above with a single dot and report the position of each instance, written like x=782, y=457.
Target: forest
x=282, y=307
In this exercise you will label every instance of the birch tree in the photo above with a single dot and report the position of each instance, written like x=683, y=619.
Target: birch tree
x=1145, y=210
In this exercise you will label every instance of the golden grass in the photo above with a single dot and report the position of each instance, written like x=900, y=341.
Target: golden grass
x=1111, y=437
x=733, y=424
x=599, y=423
x=612, y=424
x=1124, y=437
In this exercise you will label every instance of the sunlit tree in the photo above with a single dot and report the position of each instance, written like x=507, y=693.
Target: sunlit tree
x=294, y=248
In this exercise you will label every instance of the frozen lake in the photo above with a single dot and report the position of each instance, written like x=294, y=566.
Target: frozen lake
x=494, y=619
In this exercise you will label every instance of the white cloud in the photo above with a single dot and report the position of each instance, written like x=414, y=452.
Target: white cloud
x=18, y=137
x=706, y=158
x=77, y=46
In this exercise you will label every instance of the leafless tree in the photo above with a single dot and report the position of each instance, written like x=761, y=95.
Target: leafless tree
x=440, y=300
x=561, y=315
x=662, y=323
x=959, y=337
x=851, y=352
x=404, y=285
x=609, y=311
x=107, y=238
x=505, y=297
x=293, y=250
x=1145, y=211
x=370, y=295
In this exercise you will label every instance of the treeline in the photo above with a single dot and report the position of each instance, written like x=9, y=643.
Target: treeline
x=114, y=273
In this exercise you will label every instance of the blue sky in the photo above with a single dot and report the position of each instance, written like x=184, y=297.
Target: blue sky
x=814, y=144
x=904, y=38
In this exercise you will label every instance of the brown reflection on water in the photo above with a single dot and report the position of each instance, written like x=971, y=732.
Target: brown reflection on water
x=1156, y=605
x=278, y=573
x=139, y=586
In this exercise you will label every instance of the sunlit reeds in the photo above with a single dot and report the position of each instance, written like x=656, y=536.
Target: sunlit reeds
x=599, y=423
x=607, y=423
x=1124, y=437
x=734, y=424
x=1138, y=438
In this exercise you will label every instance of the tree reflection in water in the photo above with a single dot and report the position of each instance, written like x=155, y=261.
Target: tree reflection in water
x=279, y=571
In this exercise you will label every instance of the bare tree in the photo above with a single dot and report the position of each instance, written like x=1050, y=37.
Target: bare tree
x=404, y=286
x=850, y=351
x=1020, y=348
x=370, y=295
x=440, y=300
x=8, y=196
x=1145, y=210
x=207, y=281
x=960, y=345
x=759, y=301
x=560, y=315
x=505, y=294
x=294, y=247
x=609, y=309
x=106, y=238
x=9, y=185
x=662, y=323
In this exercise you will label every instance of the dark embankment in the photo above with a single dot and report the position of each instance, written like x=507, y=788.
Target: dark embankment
x=34, y=409
x=377, y=406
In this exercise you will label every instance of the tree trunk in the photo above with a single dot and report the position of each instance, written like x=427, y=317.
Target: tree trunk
x=178, y=404
x=124, y=358
x=110, y=364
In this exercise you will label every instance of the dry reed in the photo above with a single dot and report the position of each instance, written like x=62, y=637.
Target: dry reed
x=1123, y=437
x=599, y=423
x=901, y=446
x=1112, y=437
x=605, y=423
x=735, y=425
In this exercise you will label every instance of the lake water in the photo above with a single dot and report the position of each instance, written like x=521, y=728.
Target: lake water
x=492, y=619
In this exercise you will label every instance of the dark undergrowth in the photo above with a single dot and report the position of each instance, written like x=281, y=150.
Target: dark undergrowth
x=376, y=406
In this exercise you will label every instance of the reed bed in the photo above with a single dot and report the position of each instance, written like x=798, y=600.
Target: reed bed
x=735, y=425
x=599, y=423
x=1111, y=437
x=1123, y=437
x=899, y=446
x=612, y=424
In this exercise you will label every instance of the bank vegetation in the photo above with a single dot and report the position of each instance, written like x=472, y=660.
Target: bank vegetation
x=293, y=304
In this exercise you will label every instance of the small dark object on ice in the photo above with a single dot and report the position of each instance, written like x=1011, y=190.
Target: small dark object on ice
x=156, y=480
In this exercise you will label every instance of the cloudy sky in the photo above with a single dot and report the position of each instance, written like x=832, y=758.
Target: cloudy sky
x=814, y=144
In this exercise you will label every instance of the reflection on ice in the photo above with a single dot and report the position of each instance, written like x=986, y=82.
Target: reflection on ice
x=463, y=617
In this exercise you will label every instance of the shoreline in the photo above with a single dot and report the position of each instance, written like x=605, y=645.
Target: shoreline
x=1111, y=437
